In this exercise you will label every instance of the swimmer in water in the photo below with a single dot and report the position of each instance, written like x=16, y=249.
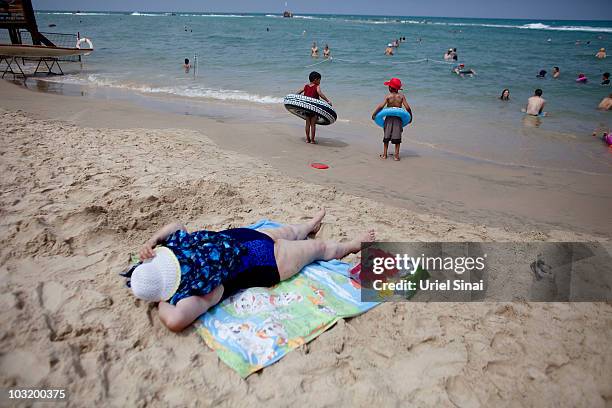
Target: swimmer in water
x=606, y=103
x=582, y=79
x=448, y=55
x=535, y=104
x=556, y=72
x=454, y=54
x=314, y=50
x=186, y=65
x=462, y=71
x=389, y=50
x=541, y=74
x=326, y=51
x=505, y=95
x=601, y=54
x=605, y=78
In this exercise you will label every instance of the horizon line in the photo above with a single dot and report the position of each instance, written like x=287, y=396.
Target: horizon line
x=317, y=14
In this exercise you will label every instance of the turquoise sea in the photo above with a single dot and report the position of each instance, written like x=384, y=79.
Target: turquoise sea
x=257, y=59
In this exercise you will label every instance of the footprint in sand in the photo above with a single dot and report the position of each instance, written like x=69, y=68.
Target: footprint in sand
x=52, y=296
x=460, y=393
x=24, y=366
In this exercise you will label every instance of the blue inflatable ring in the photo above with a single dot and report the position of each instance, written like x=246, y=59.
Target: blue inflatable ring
x=404, y=115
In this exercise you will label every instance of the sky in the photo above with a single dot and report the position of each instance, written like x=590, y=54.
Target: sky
x=527, y=9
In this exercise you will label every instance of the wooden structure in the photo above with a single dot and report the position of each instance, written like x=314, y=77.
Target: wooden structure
x=17, y=16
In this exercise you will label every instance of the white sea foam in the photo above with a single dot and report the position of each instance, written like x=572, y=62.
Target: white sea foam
x=310, y=17
x=217, y=15
x=75, y=13
x=136, y=13
x=186, y=91
x=530, y=26
x=537, y=26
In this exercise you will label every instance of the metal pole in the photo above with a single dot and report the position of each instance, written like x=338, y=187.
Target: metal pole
x=78, y=38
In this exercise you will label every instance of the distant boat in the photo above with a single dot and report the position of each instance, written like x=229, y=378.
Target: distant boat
x=287, y=13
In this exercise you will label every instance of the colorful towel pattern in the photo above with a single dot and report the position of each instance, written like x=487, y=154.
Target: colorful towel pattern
x=258, y=326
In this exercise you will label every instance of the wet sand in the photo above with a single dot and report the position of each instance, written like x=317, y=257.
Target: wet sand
x=426, y=180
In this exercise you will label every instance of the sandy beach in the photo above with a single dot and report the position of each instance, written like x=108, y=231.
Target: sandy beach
x=85, y=182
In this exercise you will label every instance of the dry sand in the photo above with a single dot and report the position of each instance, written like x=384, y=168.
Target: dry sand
x=75, y=201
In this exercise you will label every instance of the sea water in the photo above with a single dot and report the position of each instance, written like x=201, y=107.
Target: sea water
x=258, y=59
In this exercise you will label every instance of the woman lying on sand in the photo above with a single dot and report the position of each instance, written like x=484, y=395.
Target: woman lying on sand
x=188, y=273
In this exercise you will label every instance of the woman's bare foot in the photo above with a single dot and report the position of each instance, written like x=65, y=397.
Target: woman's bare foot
x=396, y=158
x=307, y=140
x=382, y=156
x=355, y=245
x=315, y=223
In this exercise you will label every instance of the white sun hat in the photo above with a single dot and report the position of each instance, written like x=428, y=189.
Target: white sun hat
x=157, y=279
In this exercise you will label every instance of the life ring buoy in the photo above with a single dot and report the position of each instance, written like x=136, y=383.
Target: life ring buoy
x=84, y=40
x=582, y=80
x=304, y=107
x=403, y=114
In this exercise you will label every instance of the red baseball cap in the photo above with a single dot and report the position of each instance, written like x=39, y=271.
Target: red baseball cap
x=394, y=83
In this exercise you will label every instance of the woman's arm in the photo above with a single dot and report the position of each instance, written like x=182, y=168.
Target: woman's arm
x=176, y=318
x=146, y=252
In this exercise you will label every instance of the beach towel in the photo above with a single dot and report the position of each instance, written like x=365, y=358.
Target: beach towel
x=257, y=327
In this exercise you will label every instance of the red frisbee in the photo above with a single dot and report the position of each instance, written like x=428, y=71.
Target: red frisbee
x=319, y=166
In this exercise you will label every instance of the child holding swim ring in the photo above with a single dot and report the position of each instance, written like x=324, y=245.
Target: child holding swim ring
x=313, y=90
x=393, y=126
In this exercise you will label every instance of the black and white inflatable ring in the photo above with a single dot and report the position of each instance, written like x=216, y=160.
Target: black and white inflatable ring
x=303, y=107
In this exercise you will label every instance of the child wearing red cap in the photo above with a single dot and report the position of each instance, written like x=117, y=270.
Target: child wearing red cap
x=393, y=125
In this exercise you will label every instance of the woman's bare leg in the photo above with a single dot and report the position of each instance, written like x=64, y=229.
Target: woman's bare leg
x=292, y=256
x=295, y=232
